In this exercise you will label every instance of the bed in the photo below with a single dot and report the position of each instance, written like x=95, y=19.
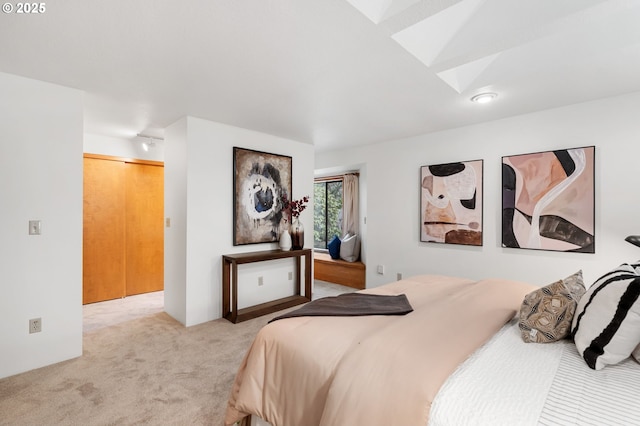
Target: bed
x=457, y=359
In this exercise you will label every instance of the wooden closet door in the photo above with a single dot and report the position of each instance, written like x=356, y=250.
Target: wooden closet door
x=145, y=228
x=103, y=260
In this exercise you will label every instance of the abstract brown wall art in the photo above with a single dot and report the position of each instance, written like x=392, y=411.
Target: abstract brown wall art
x=451, y=203
x=548, y=200
x=259, y=180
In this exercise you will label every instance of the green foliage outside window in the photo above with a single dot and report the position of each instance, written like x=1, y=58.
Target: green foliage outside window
x=327, y=215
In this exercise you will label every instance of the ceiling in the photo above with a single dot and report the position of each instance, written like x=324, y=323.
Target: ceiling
x=333, y=73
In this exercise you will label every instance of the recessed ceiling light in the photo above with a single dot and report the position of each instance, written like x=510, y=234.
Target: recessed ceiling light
x=484, y=98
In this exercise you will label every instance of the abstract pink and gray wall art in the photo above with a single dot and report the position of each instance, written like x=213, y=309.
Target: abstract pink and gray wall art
x=451, y=203
x=548, y=200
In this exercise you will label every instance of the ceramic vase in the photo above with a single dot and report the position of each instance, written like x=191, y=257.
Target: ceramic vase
x=285, y=240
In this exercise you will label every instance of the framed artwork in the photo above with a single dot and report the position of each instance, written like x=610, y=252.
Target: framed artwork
x=259, y=180
x=451, y=203
x=548, y=200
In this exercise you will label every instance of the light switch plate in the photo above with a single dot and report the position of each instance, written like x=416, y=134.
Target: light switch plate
x=35, y=227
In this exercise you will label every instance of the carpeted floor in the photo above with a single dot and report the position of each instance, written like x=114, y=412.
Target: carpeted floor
x=139, y=366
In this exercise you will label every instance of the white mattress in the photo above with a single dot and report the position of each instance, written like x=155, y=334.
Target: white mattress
x=581, y=396
x=505, y=382
x=509, y=382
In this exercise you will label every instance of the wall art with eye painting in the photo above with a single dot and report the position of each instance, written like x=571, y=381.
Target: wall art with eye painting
x=548, y=200
x=451, y=203
x=259, y=181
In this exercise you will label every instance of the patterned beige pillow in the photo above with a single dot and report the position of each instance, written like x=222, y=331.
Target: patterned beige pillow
x=546, y=313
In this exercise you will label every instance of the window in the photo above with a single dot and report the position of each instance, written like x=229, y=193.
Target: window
x=327, y=215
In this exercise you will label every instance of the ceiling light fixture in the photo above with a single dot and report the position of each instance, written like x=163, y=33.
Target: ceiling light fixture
x=147, y=145
x=150, y=143
x=484, y=98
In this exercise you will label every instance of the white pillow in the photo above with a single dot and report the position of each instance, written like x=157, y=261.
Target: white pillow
x=636, y=353
x=350, y=248
x=606, y=324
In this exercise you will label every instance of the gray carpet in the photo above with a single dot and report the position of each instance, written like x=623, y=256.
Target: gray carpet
x=139, y=366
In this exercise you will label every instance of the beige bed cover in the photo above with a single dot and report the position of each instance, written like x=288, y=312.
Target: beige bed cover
x=372, y=370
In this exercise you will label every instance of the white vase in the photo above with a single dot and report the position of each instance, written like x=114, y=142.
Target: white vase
x=285, y=240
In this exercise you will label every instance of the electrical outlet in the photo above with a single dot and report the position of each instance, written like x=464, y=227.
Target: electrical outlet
x=290, y=275
x=399, y=276
x=381, y=269
x=260, y=280
x=35, y=325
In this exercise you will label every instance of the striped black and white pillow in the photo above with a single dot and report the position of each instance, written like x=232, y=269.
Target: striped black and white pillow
x=606, y=324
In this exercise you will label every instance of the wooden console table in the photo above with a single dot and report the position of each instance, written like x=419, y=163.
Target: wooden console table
x=230, y=264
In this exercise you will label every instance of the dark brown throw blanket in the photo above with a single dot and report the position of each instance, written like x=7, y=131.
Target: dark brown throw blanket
x=353, y=304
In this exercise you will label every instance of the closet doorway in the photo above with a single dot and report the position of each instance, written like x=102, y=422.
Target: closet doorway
x=123, y=228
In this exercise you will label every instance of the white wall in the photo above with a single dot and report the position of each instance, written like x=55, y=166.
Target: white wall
x=393, y=179
x=121, y=147
x=175, y=208
x=41, y=175
x=199, y=201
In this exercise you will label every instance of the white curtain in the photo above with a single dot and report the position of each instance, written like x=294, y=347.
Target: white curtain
x=350, y=213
